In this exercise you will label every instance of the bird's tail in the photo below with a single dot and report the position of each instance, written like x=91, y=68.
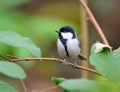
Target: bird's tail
x=83, y=57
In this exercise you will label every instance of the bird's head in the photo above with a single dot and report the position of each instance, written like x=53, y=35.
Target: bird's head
x=66, y=32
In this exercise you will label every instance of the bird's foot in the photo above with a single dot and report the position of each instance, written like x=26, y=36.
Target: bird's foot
x=64, y=62
x=75, y=64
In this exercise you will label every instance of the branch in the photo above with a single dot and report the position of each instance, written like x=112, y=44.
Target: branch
x=49, y=88
x=93, y=20
x=15, y=59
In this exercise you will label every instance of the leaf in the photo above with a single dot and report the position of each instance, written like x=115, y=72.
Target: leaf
x=107, y=63
x=108, y=86
x=117, y=52
x=58, y=80
x=12, y=70
x=4, y=87
x=16, y=40
x=100, y=47
x=77, y=85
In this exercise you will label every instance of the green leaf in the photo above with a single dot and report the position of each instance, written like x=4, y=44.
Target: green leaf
x=4, y=87
x=107, y=63
x=107, y=85
x=58, y=80
x=14, y=39
x=12, y=70
x=117, y=52
x=77, y=85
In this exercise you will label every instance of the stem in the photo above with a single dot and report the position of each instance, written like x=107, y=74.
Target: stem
x=85, y=41
x=93, y=20
x=23, y=85
x=48, y=89
x=57, y=60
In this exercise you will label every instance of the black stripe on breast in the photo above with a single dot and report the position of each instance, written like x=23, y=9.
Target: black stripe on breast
x=64, y=42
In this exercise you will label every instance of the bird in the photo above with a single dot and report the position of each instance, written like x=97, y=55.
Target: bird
x=68, y=45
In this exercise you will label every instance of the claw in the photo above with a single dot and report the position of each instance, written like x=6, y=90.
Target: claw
x=64, y=62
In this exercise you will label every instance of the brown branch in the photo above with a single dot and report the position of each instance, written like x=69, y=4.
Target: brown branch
x=93, y=20
x=56, y=60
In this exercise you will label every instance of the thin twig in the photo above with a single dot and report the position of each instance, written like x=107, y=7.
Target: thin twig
x=12, y=57
x=93, y=20
x=23, y=85
x=57, y=60
x=48, y=89
x=8, y=58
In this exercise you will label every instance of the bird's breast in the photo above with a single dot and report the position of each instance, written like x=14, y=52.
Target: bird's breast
x=73, y=48
x=61, y=49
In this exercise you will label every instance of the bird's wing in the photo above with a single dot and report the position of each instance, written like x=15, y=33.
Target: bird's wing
x=79, y=42
x=81, y=55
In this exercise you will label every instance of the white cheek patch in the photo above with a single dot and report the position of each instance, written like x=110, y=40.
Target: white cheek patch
x=67, y=35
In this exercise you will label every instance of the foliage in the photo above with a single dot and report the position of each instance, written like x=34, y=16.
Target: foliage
x=11, y=69
x=107, y=62
x=39, y=28
x=4, y=87
x=11, y=38
x=77, y=85
x=102, y=58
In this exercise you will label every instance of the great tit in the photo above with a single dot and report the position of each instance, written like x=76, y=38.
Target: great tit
x=68, y=44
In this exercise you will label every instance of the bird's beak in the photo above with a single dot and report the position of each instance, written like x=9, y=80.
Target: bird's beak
x=57, y=31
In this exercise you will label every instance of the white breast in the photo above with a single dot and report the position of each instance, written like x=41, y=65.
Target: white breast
x=61, y=49
x=73, y=48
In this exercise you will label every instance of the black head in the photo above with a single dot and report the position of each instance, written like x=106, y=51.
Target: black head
x=66, y=29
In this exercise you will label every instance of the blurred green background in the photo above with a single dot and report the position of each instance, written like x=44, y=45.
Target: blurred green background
x=38, y=19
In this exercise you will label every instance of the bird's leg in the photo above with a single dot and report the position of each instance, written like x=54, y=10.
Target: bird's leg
x=64, y=61
x=75, y=64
